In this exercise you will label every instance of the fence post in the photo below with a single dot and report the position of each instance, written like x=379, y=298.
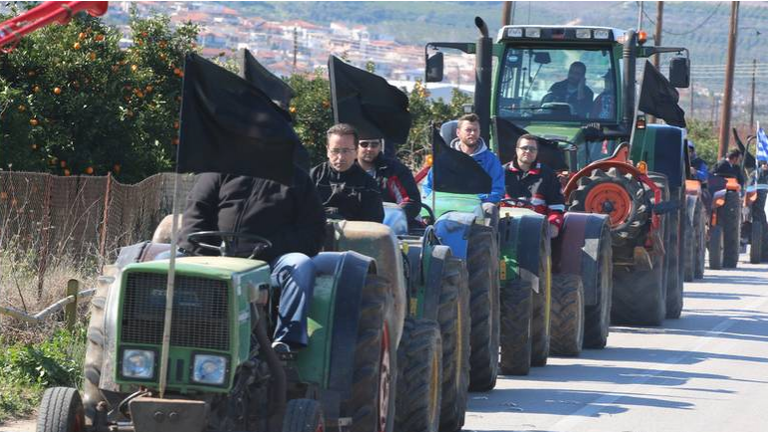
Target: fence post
x=70, y=310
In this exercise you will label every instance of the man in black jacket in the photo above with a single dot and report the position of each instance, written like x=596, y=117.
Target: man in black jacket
x=573, y=90
x=290, y=217
x=395, y=180
x=345, y=190
x=528, y=179
x=730, y=166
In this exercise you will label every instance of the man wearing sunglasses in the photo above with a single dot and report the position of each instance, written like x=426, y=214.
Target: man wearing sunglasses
x=346, y=191
x=534, y=183
x=394, y=179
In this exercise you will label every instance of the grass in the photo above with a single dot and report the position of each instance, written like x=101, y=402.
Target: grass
x=26, y=370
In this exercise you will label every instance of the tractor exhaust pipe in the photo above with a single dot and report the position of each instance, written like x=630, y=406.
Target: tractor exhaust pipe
x=628, y=119
x=483, y=72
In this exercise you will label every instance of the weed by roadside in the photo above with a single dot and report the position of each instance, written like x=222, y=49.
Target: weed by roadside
x=26, y=370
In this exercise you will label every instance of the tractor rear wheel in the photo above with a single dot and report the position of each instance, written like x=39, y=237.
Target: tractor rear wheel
x=620, y=196
x=542, y=307
x=303, y=415
x=567, y=315
x=729, y=217
x=61, y=410
x=483, y=268
x=373, y=375
x=755, y=241
x=455, y=327
x=597, y=318
x=516, y=316
x=700, y=235
x=715, y=247
x=420, y=377
x=638, y=296
x=674, y=297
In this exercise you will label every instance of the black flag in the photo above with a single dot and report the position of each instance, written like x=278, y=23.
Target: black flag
x=253, y=72
x=659, y=98
x=456, y=172
x=230, y=126
x=507, y=134
x=368, y=102
x=748, y=158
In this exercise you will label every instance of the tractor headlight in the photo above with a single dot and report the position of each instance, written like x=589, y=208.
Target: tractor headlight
x=602, y=34
x=531, y=32
x=138, y=364
x=209, y=369
x=583, y=33
x=515, y=32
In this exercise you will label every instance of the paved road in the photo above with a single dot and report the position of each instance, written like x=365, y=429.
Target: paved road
x=707, y=371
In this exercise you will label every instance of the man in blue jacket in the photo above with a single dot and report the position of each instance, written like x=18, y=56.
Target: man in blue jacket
x=469, y=141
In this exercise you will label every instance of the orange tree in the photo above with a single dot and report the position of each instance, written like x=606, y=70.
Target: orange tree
x=74, y=103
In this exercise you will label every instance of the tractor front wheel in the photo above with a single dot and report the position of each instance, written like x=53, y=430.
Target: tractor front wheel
x=61, y=410
x=516, y=316
x=567, y=315
x=729, y=217
x=715, y=247
x=420, y=377
x=303, y=415
x=755, y=241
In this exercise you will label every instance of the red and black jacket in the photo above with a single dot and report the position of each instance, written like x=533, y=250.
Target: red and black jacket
x=540, y=186
x=397, y=185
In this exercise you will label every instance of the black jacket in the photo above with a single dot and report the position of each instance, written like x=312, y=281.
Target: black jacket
x=353, y=192
x=558, y=92
x=724, y=168
x=540, y=185
x=292, y=218
x=397, y=185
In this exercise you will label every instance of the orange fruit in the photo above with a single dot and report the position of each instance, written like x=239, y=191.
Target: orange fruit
x=116, y=168
x=89, y=170
x=134, y=68
x=149, y=89
x=22, y=108
x=31, y=73
x=76, y=45
x=56, y=90
x=36, y=89
x=33, y=122
x=34, y=146
x=292, y=109
x=92, y=56
x=81, y=36
x=99, y=37
x=67, y=172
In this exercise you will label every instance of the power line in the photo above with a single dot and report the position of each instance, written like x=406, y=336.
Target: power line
x=690, y=31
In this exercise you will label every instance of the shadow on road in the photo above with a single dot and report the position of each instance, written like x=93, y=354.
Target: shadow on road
x=717, y=296
x=663, y=356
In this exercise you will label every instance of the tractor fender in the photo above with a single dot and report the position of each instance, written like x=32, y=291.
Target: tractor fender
x=434, y=278
x=575, y=250
x=452, y=229
x=519, y=240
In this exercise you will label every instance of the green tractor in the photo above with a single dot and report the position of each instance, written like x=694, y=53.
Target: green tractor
x=591, y=133
x=222, y=372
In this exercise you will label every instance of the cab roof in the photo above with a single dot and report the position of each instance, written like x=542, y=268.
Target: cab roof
x=558, y=33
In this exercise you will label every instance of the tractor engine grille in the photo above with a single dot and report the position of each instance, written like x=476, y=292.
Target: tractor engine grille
x=200, y=311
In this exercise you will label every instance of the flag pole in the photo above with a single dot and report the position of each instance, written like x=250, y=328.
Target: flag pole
x=434, y=173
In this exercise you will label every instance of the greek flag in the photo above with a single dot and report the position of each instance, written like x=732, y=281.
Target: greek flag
x=762, y=144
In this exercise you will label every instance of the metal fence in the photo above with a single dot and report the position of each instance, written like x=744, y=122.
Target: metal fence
x=82, y=217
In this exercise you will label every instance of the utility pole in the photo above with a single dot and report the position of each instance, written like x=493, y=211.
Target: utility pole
x=639, y=15
x=295, y=47
x=692, y=92
x=725, y=125
x=657, y=41
x=507, y=13
x=752, y=103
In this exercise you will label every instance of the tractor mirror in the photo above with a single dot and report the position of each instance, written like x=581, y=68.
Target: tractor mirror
x=434, y=72
x=542, y=58
x=680, y=72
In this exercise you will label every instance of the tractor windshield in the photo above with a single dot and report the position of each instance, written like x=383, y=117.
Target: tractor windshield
x=557, y=84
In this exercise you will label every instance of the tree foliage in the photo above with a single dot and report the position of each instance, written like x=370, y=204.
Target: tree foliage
x=74, y=102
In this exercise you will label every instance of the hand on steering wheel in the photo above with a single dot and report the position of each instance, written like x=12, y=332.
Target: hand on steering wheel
x=228, y=246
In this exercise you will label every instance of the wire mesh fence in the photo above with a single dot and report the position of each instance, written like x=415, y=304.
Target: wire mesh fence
x=45, y=219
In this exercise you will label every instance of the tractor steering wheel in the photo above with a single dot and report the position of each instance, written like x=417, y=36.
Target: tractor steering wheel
x=229, y=240
x=430, y=212
x=518, y=202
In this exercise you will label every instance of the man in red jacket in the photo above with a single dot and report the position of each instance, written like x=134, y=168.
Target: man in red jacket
x=528, y=179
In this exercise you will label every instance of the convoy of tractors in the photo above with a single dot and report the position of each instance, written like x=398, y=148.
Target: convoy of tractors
x=404, y=322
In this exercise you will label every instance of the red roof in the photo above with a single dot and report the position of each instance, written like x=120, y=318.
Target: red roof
x=301, y=24
x=191, y=16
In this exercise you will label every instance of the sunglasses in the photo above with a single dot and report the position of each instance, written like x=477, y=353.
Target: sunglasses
x=371, y=144
x=529, y=149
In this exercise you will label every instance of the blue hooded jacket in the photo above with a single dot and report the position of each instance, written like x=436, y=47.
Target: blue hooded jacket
x=490, y=164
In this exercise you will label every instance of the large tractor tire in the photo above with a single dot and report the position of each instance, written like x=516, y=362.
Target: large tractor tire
x=373, y=376
x=755, y=241
x=567, y=315
x=689, y=247
x=483, y=268
x=638, y=295
x=94, y=350
x=455, y=327
x=700, y=236
x=620, y=196
x=516, y=316
x=729, y=217
x=419, y=378
x=303, y=415
x=597, y=318
x=61, y=410
x=541, y=325
x=675, y=251
x=715, y=247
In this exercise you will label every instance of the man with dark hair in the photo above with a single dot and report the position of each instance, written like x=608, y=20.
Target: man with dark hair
x=345, y=189
x=531, y=181
x=469, y=141
x=700, y=170
x=573, y=90
x=394, y=179
x=290, y=217
x=730, y=166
